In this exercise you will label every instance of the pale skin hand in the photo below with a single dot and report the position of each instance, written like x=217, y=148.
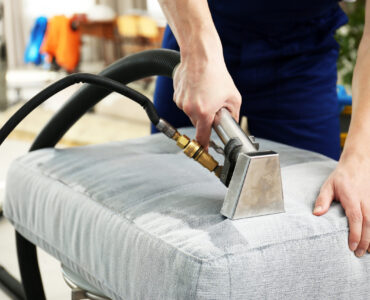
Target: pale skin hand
x=202, y=83
x=201, y=91
x=350, y=182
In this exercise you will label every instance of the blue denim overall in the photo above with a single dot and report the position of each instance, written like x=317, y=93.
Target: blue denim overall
x=282, y=57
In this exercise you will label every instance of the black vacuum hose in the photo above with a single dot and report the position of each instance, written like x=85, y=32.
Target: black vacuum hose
x=112, y=79
x=100, y=81
x=128, y=69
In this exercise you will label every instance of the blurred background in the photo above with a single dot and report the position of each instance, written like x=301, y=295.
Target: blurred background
x=41, y=41
x=349, y=37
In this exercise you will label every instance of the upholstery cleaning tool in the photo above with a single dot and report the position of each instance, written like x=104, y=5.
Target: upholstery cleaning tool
x=252, y=177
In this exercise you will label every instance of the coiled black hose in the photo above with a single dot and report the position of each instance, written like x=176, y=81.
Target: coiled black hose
x=108, y=84
x=147, y=63
x=128, y=69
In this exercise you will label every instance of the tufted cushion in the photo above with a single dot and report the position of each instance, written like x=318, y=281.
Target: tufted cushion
x=139, y=220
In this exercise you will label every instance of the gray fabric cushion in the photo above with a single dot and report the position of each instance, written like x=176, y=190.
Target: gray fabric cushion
x=139, y=220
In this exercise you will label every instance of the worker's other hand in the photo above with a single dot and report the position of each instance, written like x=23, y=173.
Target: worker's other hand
x=349, y=184
x=202, y=87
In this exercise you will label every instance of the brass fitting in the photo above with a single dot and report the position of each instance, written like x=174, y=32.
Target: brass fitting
x=194, y=150
x=191, y=148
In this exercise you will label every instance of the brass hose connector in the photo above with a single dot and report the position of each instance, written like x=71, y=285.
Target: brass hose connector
x=191, y=147
x=195, y=151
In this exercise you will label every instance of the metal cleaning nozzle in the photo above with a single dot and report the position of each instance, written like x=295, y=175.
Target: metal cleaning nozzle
x=253, y=177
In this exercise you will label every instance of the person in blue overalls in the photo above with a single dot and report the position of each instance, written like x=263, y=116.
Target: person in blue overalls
x=280, y=58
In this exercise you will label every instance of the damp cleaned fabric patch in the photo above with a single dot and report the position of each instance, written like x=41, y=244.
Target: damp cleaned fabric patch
x=140, y=220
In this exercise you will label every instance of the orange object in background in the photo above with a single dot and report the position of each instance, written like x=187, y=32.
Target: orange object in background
x=62, y=43
x=137, y=26
x=139, y=33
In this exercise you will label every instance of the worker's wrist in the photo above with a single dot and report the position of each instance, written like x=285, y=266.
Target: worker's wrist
x=203, y=46
x=356, y=148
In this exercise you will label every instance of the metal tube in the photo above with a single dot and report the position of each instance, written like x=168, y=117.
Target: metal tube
x=11, y=286
x=227, y=128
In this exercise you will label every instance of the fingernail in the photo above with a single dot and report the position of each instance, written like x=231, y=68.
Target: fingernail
x=353, y=246
x=360, y=252
x=317, y=209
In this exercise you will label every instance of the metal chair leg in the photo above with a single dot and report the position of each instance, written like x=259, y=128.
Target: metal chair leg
x=29, y=269
x=78, y=294
x=11, y=286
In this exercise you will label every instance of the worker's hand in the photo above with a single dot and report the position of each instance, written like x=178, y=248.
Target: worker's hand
x=202, y=87
x=349, y=184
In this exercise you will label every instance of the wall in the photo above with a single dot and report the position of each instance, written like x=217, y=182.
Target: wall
x=156, y=12
x=35, y=8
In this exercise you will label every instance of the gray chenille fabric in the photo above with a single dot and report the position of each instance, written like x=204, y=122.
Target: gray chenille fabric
x=140, y=220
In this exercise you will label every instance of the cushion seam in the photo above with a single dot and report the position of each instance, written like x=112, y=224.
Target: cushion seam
x=236, y=253
x=63, y=255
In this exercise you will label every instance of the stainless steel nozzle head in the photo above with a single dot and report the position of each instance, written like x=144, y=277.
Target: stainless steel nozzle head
x=253, y=177
x=255, y=188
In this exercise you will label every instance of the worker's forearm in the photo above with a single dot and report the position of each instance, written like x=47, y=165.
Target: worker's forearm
x=358, y=140
x=202, y=84
x=192, y=24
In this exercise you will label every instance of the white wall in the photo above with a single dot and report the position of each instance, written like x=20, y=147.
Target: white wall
x=155, y=11
x=48, y=8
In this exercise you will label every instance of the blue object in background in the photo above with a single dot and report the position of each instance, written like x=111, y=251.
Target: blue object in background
x=343, y=98
x=32, y=53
